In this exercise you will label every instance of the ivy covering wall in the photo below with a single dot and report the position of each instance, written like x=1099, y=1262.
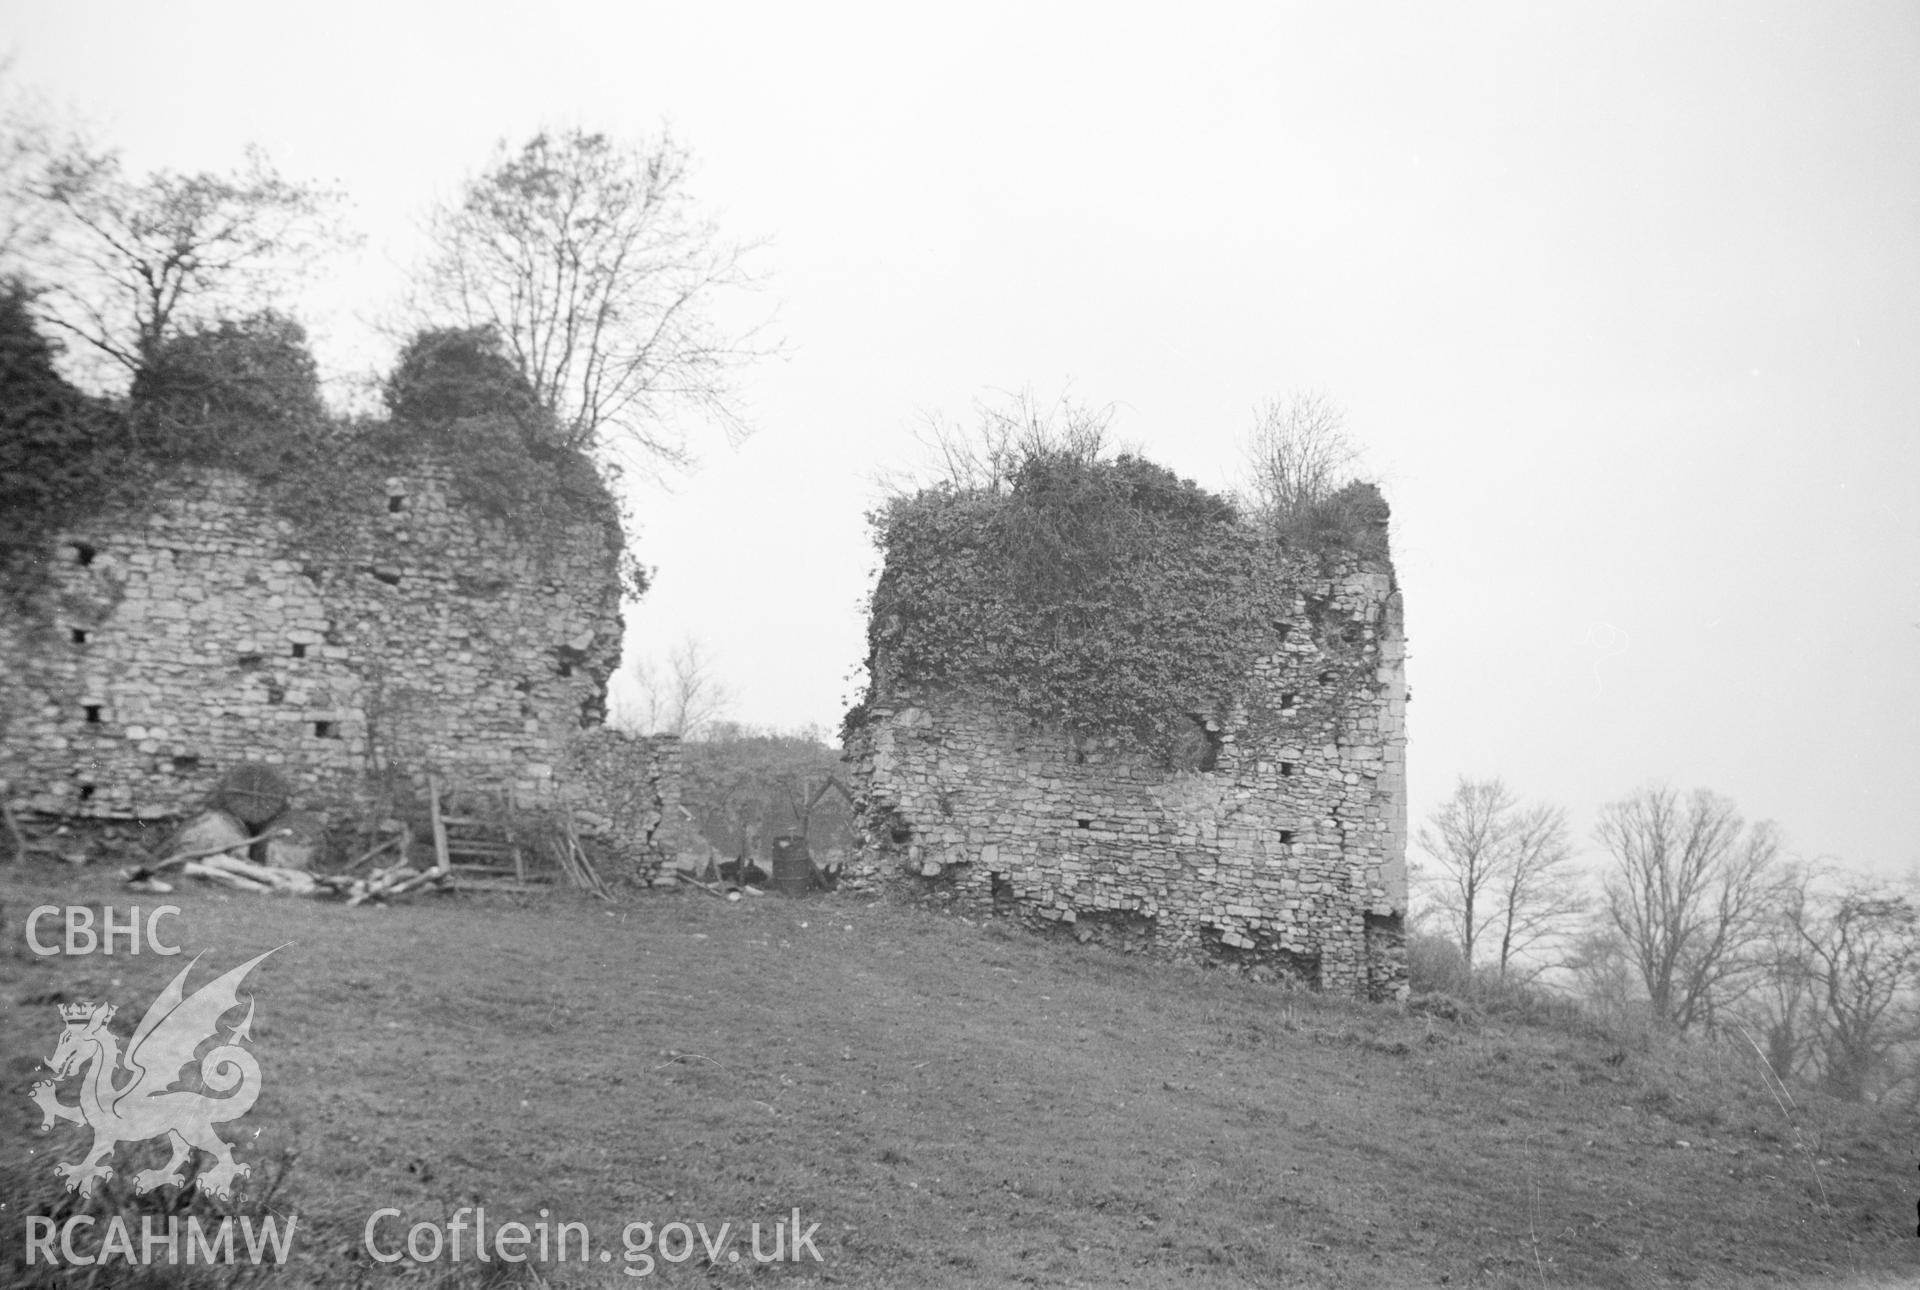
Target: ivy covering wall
x=1104, y=703
x=1109, y=597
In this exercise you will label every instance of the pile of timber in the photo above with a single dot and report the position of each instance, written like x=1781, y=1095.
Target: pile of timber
x=458, y=841
x=222, y=866
x=572, y=857
x=385, y=884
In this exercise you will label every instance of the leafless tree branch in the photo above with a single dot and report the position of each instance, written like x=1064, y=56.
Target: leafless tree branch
x=588, y=257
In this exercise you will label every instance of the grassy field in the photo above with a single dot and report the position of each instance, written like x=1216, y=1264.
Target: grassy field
x=952, y=1104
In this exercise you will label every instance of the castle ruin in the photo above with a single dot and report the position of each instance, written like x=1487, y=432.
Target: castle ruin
x=169, y=642
x=1274, y=839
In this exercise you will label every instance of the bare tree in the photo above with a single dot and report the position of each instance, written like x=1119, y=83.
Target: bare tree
x=1466, y=838
x=123, y=265
x=684, y=698
x=1536, y=896
x=1862, y=961
x=1781, y=1004
x=1603, y=971
x=1502, y=872
x=1008, y=432
x=585, y=255
x=1691, y=891
x=1298, y=455
x=25, y=143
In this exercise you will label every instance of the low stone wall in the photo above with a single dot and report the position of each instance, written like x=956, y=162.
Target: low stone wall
x=1282, y=847
x=625, y=790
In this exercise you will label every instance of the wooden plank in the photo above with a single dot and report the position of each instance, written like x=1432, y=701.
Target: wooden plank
x=495, y=884
x=439, y=825
x=13, y=831
x=498, y=870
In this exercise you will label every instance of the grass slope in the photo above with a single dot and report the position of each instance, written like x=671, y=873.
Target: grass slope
x=954, y=1105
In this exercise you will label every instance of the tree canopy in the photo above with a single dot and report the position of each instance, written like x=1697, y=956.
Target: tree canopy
x=586, y=257
x=125, y=264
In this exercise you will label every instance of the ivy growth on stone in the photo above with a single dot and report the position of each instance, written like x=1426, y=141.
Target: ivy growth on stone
x=244, y=395
x=61, y=452
x=240, y=394
x=1107, y=596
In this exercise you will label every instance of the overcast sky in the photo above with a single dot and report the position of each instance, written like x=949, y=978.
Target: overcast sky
x=1622, y=300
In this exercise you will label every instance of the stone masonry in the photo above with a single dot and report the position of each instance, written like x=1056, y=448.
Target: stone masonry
x=1280, y=845
x=178, y=642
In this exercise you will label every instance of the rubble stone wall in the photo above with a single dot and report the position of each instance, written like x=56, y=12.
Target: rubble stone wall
x=174, y=643
x=626, y=790
x=1284, y=849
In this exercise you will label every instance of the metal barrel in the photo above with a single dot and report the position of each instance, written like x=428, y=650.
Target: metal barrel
x=792, y=866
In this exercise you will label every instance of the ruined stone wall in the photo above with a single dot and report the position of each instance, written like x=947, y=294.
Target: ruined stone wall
x=173, y=643
x=1283, y=846
x=626, y=790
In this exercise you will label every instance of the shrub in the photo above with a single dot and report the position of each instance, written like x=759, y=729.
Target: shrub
x=448, y=375
x=1352, y=519
x=1434, y=964
x=244, y=394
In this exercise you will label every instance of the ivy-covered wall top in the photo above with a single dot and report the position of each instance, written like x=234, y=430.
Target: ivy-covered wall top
x=1106, y=596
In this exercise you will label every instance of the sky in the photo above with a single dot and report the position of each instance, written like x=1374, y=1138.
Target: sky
x=1622, y=302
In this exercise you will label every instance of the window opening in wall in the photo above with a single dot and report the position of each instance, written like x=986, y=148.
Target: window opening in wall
x=299, y=650
x=86, y=792
x=186, y=762
x=1286, y=836
x=1286, y=769
x=93, y=713
x=1284, y=630
x=1288, y=699
x=396, y=503
x=324, y=730
x=79, y=636
x=566, y=658
x=1084, y=822
x=1196, y=745
x=901, y=833
x=83, y=554
x=252, y=662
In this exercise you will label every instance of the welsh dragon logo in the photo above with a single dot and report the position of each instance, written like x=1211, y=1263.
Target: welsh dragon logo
x=146, y=1104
